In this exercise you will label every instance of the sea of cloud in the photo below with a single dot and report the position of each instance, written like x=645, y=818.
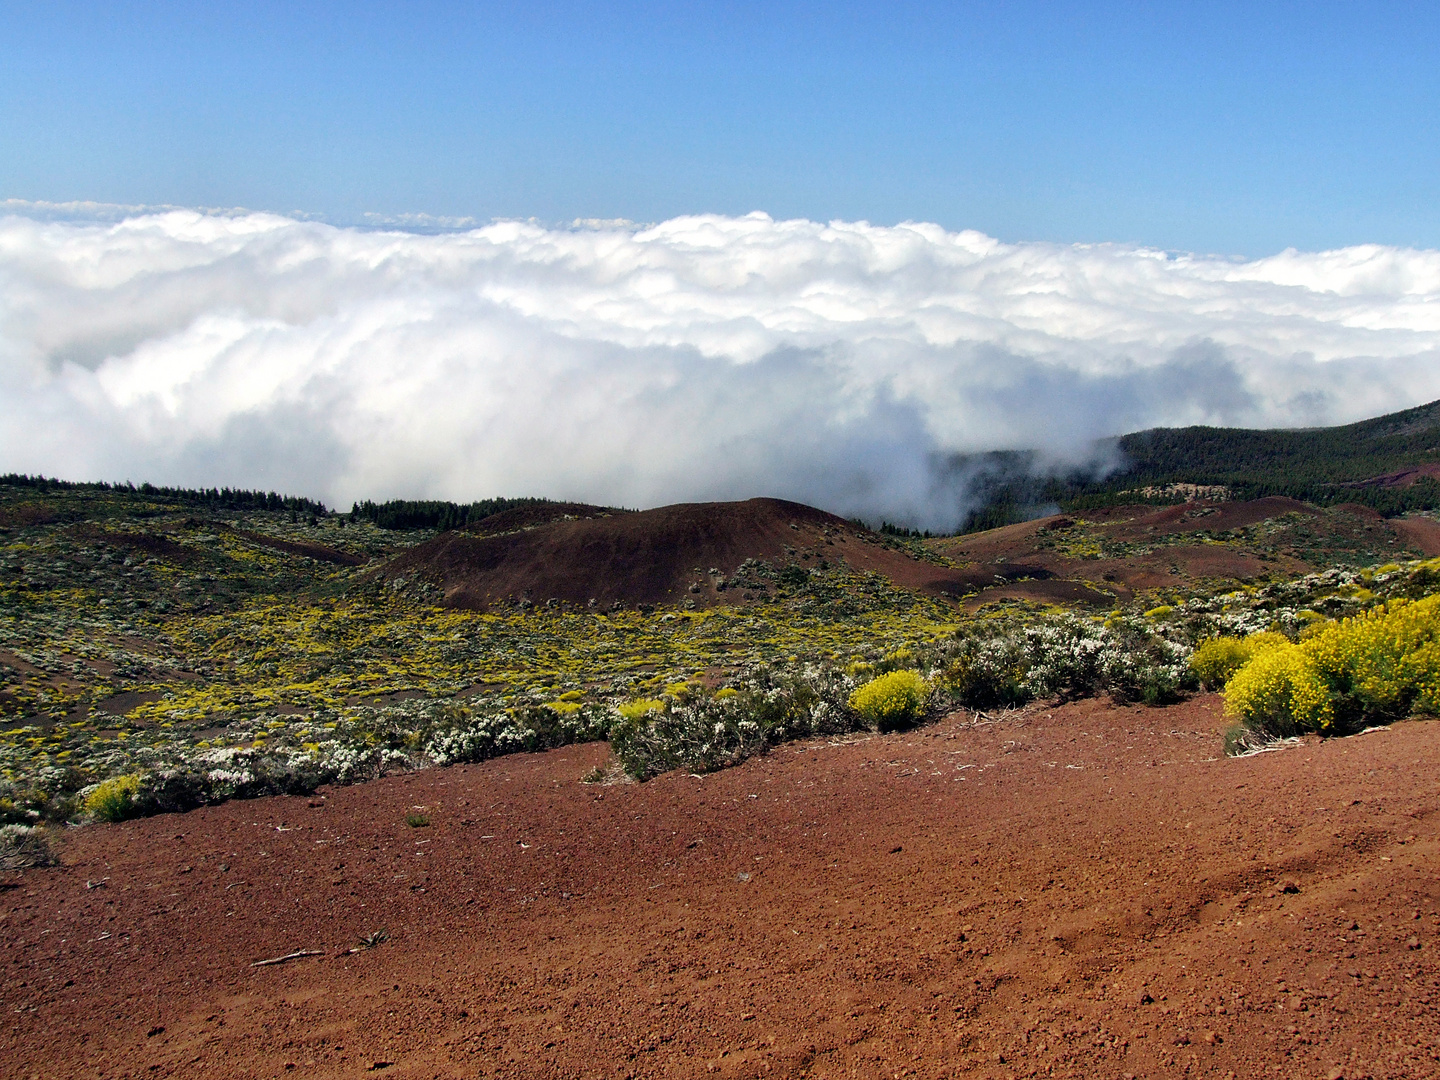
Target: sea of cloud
x=707, y=357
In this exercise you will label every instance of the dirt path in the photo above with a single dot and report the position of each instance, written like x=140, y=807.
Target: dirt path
x=1077, y=891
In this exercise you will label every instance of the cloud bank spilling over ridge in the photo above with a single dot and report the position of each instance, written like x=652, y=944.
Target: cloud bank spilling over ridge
x=705, y=357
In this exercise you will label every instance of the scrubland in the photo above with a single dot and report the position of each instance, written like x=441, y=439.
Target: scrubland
x=160, y=657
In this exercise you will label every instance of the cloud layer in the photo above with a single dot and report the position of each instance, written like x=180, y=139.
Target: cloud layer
x=704, y=357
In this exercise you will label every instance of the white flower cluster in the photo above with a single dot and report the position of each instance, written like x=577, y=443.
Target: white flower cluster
x=1072, y=657
x=763, y=706
x=462, y=736
x=482, y=738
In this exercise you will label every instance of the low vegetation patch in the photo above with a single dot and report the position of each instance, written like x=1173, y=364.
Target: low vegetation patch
x=114, y=799
x=1368, y=669
x=892, y=701
x=155, y=656
x=24, y=846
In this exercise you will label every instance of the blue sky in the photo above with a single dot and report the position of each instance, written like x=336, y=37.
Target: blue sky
x=1239, y=129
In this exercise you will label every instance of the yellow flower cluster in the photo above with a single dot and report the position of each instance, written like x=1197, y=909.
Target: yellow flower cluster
x=1280, y=691
x=1373, y=667
x=1216, y=659
x=891, y=701
x=638, y=710
x=114, y=800
x=1389, y=656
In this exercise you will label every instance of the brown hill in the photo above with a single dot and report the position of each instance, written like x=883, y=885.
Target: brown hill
x=1117, y=552
x=670, y=555
x=696, y=554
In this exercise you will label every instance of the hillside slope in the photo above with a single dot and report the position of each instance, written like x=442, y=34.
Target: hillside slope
x=1395, y=450
x=1114, y=554
x=701, y=553
x=1390, y=464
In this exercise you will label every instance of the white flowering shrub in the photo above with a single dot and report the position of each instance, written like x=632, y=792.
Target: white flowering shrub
x=477, y=739
x=248, y=772
x=1007, y=662
x=762, y=707
x=466, y=736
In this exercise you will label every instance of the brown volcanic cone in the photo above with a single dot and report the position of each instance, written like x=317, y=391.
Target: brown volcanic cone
x=661, y=556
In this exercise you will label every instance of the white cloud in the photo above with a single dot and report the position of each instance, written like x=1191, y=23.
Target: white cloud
x=704, y=357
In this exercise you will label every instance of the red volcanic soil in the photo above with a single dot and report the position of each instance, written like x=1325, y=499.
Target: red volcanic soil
x=661, y=556
x=528, y=517
x=1421, y=533
x=1152, y=548
x=1406, y=477
x=1083, y=891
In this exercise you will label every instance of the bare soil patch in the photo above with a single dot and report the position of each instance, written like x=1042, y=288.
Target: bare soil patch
x=1422, y=533
x=1082, y=890
x=144, y=544
x=529, y=517
x=306, y=548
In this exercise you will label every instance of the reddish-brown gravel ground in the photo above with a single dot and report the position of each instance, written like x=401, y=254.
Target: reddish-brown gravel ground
x=1082, y=890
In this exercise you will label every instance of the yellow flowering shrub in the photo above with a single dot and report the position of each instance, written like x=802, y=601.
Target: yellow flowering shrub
x=1374, y=667
x=1280, y=692
x=891, y=701
x=113, y=800
x=1384, y=663
x=1216, y=659
x=637, y=710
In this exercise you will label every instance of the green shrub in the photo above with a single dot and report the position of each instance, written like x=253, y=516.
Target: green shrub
x=708, y=733
x=1423, y=578
x=702, y=737
x=987, y=669
x=11, y=814
x=114, y=800
x=901, y=659
x=892, y=701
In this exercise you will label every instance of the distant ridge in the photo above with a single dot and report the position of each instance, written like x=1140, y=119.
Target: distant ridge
x=1390, y=464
